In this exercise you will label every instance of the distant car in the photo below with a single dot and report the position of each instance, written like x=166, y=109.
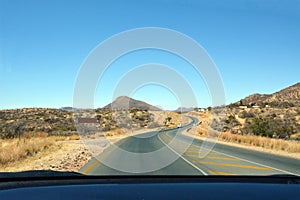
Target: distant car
x=179, y=126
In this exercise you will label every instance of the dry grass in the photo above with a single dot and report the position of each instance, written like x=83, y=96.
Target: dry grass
x=12, y=150
x=108, y=134
x=288, y=146
x=73, y=137
x=258, y=141
x=115, y=132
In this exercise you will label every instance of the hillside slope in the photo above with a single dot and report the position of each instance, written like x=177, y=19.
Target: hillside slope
x=124, y=102
x=290, y=95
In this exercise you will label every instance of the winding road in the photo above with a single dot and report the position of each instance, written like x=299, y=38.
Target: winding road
x=171, y=153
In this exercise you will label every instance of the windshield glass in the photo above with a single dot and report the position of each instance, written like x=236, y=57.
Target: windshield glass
x=150, y=87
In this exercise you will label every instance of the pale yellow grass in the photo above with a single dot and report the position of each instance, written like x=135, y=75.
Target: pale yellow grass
x=12, y=150
x=258, y=141
x=290, y=146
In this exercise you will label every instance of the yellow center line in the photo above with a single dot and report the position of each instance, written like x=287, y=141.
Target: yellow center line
x=190, y=149
x=98, y=160
x=209, y=157
x=220, y=173
x=220, y=158
x=199, y=152
x=196, y=155
x=232, y=165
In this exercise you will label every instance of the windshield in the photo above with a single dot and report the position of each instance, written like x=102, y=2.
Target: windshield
x=150, y=87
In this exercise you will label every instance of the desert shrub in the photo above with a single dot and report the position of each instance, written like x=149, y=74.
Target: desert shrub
x=260, y=126
x=231, y=121
x=269, y=127
x=40, y=134
x=216, y=124
x=27, y=135
x=281, y=104
x=244, y=114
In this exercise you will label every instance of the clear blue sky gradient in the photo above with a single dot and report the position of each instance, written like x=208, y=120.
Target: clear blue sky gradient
x=255, y=44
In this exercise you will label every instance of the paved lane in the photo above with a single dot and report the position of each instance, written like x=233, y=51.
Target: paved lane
x=230, y=160
x=148, y=143
x=188, y=159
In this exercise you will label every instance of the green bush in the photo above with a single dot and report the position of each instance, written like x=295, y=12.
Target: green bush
x=269, y=127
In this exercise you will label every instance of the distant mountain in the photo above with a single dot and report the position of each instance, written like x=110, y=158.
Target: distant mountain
x=67, y=108
x=183, y=110
x=290, y=95
x=124, y=102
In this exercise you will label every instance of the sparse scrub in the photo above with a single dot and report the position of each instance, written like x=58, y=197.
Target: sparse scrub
x=74, y=137
x=244, y=114
x=30, y=120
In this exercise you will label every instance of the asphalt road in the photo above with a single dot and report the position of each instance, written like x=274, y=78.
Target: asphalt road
x=171, y=153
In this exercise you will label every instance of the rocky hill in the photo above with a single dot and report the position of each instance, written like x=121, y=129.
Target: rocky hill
x=124, y=103
x=290, y=94
x=287, y=97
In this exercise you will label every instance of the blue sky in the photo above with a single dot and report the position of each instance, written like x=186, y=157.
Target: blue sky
x=255, y=45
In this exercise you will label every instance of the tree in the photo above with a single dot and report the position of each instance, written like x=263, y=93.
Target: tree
x=260, y=126
x=241, y=103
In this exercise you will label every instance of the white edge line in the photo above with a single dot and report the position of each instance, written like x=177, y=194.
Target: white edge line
x=205, y=174
x=276, y=169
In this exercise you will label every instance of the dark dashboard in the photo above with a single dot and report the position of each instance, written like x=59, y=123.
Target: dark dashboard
x=76, y=186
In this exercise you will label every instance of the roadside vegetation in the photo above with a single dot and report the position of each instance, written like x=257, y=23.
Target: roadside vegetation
x=16, y=149
x=12, y=150
x=26, y=132
x=269, y=128
x=264, y=142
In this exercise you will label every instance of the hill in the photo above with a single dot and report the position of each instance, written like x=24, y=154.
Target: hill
x=124, y=102
x=285, y=97
x=183, y=110
x=290, y=94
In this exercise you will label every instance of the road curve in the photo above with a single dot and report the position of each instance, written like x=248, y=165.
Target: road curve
x=186, y=156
